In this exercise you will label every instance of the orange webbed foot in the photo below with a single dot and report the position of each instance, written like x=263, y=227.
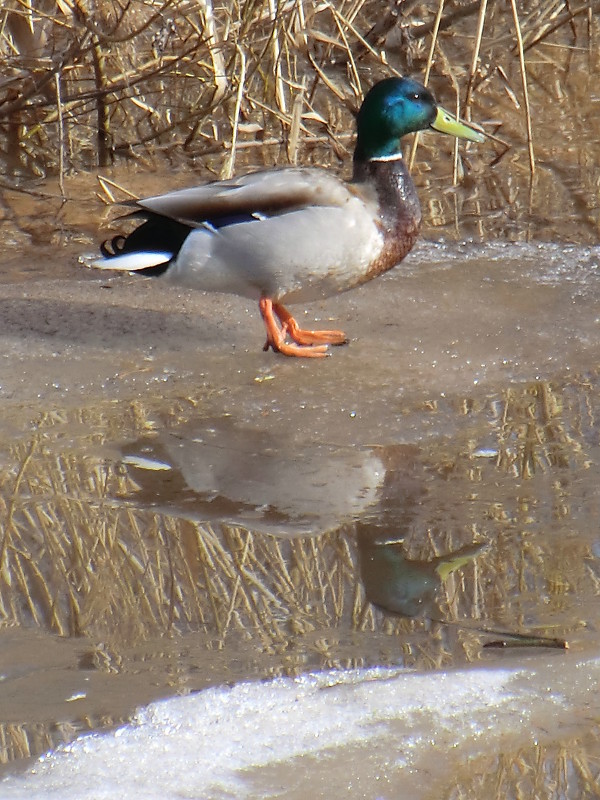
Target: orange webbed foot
x=304, y=337
x=304, y=345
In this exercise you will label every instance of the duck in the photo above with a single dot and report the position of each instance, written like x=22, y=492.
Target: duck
x=294, y=234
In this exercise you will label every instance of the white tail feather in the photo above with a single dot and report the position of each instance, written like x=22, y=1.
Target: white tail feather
x=131, y=262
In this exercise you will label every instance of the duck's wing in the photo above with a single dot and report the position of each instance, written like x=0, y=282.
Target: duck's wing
x=256, y=195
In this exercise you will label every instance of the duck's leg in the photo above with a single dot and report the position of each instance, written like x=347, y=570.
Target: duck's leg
x=304, y=337
x=276, y=335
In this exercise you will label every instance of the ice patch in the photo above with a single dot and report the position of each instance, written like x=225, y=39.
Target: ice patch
x=238, y=742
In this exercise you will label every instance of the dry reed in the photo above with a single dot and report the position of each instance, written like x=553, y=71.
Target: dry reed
x=87, y=84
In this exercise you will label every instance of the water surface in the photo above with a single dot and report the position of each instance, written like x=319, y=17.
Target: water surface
x=183, y=511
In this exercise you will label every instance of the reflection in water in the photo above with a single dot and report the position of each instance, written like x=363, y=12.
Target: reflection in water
x=215, y=470
x=403, y=586
x=159, y=560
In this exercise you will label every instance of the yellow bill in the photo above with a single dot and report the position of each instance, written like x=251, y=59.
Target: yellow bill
x=446, y=123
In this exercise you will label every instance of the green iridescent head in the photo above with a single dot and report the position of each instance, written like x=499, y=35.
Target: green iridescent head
x=395, y=107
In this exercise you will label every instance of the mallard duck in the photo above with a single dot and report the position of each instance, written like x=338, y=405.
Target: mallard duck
x=294, y=234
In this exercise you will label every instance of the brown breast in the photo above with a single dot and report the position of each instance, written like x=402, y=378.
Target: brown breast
x=398, y=209
x=395, y=247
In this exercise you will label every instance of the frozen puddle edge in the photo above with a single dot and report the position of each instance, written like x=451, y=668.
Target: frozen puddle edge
x=380, y=729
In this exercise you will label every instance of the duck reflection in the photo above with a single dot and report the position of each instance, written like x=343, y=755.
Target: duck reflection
x=220, y=471
x=217, y=470
x=402, y=586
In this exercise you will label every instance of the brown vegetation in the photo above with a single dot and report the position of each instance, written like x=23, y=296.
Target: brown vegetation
x=85, y=84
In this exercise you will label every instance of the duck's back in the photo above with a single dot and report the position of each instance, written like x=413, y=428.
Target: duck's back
x=290, y=234
x=296, y=255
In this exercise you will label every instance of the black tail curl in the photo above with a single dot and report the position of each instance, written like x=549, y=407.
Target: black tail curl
x=112, y=247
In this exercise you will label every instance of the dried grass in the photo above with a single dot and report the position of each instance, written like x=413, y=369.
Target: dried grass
x=567, y=770
x=87, y=84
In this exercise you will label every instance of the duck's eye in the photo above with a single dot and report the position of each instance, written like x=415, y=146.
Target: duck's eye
x=416, y=96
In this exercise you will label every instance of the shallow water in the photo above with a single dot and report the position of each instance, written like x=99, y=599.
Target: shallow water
x=182, y=510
